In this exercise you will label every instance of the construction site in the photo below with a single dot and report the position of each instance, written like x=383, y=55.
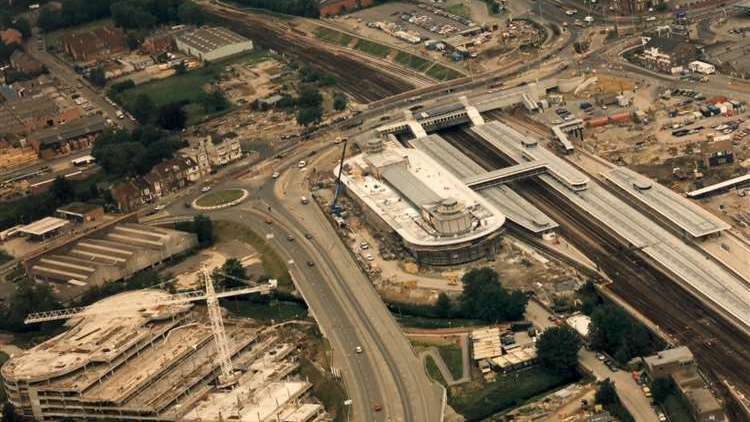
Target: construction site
x=151, y=355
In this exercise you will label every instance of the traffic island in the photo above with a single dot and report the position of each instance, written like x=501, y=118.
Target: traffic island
x=220, y=199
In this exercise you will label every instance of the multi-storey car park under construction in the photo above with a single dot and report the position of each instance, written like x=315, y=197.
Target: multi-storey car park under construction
x=126, y=359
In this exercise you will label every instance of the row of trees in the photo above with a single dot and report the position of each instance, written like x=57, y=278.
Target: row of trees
x=122, y=153
x=128, y=14
x=612, y=330
x=307, y=8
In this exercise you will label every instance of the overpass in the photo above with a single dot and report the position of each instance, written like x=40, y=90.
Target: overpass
x=561, y=132
x=506, y=175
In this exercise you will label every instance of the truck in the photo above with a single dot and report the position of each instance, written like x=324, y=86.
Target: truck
x=702, y=67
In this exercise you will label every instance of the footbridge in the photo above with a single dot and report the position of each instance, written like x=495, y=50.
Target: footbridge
x=506, y=175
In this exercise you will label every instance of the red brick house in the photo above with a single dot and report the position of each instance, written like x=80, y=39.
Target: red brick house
x=90, y=46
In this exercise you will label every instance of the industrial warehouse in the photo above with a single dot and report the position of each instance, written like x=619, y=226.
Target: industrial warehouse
x=110, y=253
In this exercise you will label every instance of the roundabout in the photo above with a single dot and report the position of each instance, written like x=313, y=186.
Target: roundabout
x=219, y=199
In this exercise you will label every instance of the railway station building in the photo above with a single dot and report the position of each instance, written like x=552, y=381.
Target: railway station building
x=437, y=218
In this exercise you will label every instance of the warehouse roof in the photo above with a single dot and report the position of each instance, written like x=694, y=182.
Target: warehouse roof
x=206, y=39
x=410, y=187
x=75, y=129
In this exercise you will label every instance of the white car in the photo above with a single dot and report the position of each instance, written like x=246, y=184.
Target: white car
x=364, y=245
x=650, y=18
x=275, y=175
x=358, y=349
x=571, y=12
x=160, y=207
x=370, y=257
x=205, y=189
x=301, y=164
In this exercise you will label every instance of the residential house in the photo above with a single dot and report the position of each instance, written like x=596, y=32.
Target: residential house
x=88, y=47
x=22, y=62
x=210, y=153
x=164, y=178
x=11, y=36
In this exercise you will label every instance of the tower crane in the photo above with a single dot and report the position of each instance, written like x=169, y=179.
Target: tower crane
x=226, y=376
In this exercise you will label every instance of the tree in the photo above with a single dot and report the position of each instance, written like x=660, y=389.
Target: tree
x=62, y=190
x=339, y=101
x=204, y=229
x=23, y=26
x=190, y=13
x=9, y=413
x=230, y=275
x=661, y=388
x=557, y=349
x=97, y=77
x=484, y=298
x=49, y=19
x=27, y=298
x=444, y=306
x=614, y=332
x=172, y=116
x=309, y=115
x=606, y=393
x=309, y=97
x=143, y=108
x=214, y=101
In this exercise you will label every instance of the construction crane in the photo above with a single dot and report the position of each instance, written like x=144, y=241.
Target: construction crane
x=226, y=376
x=334, y=207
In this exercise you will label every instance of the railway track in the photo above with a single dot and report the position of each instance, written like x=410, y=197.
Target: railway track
x=720, y=348
x=363, y=82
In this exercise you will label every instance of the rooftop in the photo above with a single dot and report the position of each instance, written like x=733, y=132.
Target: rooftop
x=511, y=204
x=77, y=208
x=206, y=39
x=681, y=212
x=580, y=323
x=418, y=198
x=707, y=277
x=44, y=226
x=75, y=129
x=680, y=354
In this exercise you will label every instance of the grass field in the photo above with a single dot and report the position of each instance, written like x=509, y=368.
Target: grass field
x=277, y=311
x=452, y=357
x=460, y=10
x=414, y=62
x=273, y=264
x=477, y=401
x=219, y=197
x=187, y=87
x=371, y=48
x=333, y=37
x=442, y=73
x=433, y=371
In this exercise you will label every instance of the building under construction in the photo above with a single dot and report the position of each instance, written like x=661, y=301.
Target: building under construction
x=149, y=355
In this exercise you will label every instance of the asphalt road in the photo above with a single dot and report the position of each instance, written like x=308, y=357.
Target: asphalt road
x=347, y=308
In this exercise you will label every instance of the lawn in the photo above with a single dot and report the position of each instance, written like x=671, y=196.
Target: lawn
x=219, y=197
x=433, y=371
x=409, y=60
x=273, y=264
x=442, y=73
x=477, y=401
x=371, y=48
x=187, y=87
x=333, y=37
x=278, y=311
x=460, y=10
x=677, y=409
x=453, y=359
